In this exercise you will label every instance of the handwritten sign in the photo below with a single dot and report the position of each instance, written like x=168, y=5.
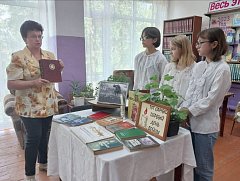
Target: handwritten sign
x=221, y=20
x=154, y=119
x=223, y=5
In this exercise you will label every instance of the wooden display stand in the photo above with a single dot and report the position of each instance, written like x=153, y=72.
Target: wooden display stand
x=189, y=26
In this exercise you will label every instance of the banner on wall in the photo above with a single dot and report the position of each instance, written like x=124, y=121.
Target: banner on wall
x=223, y=5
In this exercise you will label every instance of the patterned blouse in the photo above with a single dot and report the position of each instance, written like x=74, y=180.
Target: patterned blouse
x=32, y=102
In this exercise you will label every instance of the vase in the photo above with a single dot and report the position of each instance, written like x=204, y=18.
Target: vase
x=173, y=128
x=78, y=101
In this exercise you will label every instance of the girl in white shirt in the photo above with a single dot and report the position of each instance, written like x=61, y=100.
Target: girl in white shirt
x=151, y=61
x=210, y=82
x=183, y=61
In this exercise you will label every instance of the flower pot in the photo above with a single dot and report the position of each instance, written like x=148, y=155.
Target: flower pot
x=173, y=128
x=78, y=101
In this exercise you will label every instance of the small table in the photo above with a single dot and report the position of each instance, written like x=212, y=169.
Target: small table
x=224, y=111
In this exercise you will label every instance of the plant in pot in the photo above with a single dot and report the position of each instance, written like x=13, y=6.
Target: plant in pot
x=87, y=92
x=166, y=95
x=78, y=98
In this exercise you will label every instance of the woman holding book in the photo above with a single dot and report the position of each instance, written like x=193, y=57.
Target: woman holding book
x=36, y=98
x=149, y=62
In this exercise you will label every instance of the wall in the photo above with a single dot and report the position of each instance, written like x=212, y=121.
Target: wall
x=70, y=42
x=178, y=9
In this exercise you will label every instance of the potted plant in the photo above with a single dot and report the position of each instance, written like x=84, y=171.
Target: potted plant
x=87, y=92
x=78, y=99
x=166, y=95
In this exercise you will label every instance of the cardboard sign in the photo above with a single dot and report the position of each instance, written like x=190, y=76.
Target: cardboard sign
x=154, y=119
x=223, y=5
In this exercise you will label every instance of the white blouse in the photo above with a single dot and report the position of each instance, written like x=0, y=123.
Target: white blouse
x=145, y=66
x=208, y=86
x=181, y=79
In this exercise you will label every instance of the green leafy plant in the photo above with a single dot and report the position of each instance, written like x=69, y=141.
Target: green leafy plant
x=165, y=95
x=118, y=78
x=76, y=88
x=87, y=91
x=82, y=91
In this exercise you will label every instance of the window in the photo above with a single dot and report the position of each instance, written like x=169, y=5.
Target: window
x=112, y=32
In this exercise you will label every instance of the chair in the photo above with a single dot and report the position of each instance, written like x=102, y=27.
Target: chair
x=236, y=116
x=9, y=108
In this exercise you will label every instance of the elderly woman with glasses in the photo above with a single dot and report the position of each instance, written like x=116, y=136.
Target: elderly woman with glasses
x=149, y=62
x=36, y=98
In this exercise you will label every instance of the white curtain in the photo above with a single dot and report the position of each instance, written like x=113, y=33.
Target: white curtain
x=12, y=14
x=112, y=32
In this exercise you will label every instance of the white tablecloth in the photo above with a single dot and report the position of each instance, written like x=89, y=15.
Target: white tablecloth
x=71, y=159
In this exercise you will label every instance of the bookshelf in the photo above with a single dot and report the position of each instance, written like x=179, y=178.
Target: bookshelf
x=229, y=22
x=227, y=17
x=189, y=26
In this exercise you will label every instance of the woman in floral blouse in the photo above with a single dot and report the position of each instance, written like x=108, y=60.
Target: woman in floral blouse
x=36, y=98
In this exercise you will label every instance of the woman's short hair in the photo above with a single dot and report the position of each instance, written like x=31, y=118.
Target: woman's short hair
x=30, y=26
x=153, y=32
x=215, y=34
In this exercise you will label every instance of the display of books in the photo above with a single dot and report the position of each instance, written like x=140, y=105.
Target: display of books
x=72, y=120
x=109, y=120
x=140, y=143
x=91, y=132
x=50, y=70
x=105, y=146
x=132, y=133
x=110, y=92
x=119, y=126
x=99, y=115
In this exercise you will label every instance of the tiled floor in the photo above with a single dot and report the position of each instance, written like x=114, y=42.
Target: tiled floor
x=227, y=156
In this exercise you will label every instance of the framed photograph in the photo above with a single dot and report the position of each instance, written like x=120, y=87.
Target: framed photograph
x=154, y=119
x=110, y=92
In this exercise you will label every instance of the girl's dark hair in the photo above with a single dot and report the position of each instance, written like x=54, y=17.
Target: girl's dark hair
x=30, y=26
x=153, y=32
x=215, y=34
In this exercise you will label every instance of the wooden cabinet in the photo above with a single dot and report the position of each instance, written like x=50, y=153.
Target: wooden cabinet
x=189, y=26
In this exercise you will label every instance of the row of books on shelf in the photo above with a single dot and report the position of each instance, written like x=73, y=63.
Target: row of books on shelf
x=167, y=40
x=235, y=72
x=178, y=26
x=106, y=133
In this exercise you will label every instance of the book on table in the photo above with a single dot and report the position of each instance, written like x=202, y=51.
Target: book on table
x=91, y=132
x=72, y=120
x=140, y=143
x=132, y=133
x=99, y=115
x=109, y=120
x=119, y=126
x=50, y=70
x=105, y=146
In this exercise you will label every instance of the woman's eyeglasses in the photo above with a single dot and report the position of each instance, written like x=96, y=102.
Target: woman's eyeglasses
x=199, y=43
x=40, y=37
x=142, y=38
